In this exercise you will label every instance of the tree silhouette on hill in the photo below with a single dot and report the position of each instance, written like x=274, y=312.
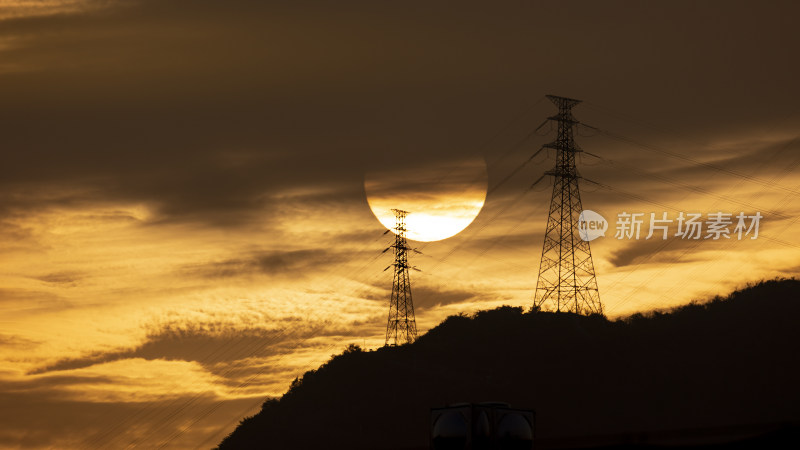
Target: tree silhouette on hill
x=726, y=362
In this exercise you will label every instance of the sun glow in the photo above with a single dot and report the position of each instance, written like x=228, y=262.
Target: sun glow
x=441, y=200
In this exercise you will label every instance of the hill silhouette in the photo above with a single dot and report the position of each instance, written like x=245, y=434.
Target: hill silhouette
x=730, y=362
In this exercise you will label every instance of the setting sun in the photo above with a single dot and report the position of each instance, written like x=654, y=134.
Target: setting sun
x=441, y=199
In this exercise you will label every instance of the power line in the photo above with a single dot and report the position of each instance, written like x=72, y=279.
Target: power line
x=694, y=161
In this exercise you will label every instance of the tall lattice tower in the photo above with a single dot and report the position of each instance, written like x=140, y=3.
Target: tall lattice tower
x=567, y=281
x=402, y=327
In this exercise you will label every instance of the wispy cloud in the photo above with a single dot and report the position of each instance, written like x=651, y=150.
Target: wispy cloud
x=18, y=9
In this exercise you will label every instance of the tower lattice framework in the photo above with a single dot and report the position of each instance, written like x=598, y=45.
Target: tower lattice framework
x=402, y=327
x=567, y=281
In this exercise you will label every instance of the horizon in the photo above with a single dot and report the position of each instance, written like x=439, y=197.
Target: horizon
x=193, y=194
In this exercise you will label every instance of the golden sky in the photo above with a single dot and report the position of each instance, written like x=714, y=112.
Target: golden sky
x=184, y=227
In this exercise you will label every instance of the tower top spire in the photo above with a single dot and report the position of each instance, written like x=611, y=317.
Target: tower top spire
x=563, y=102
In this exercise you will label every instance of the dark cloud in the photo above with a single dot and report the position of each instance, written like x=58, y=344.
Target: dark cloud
x=419, y=180
x=200, y=108
x=426, y=297
x=64, y=278
x=519, y=241
x=759, y=166
x=33, y=299
x=276, y=262
x=658, y=251
x=7, y=340
x=212, y=344
x=52, y=383
x=792, y=272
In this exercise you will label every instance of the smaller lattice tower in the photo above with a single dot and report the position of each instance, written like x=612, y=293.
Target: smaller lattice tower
x=402, y=327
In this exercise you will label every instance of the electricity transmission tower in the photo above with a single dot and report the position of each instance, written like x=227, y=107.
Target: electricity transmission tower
x=402, y=327
x=567, y=281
